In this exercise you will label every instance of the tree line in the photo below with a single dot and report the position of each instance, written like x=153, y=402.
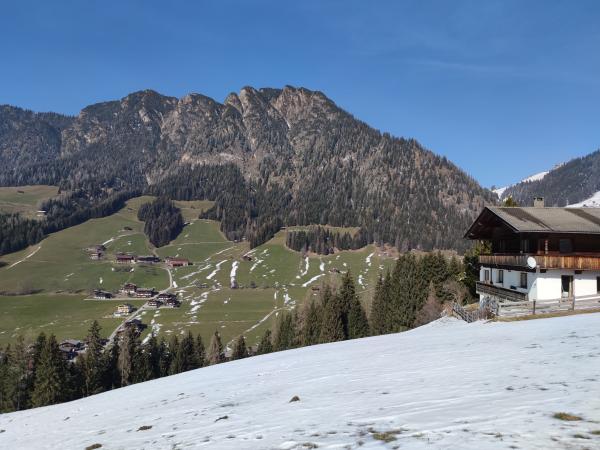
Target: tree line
x=324, y=241
x=162, y=221
x=39, y=375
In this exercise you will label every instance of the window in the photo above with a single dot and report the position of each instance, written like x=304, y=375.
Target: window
x=501, y=276
x=523, y=280
x=598, y=285
x=486, y=276
x=565, y=246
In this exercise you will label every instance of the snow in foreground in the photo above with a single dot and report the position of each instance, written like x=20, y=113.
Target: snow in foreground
x=446, y=385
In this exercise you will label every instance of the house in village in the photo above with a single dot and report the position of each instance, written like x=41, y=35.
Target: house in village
x=70, y=348
x=124, y=258
x=136, y=324
x=541, y=260
x=99, y=294
x=128, y=289
x=154, y=303
x=147, y=259
x=144, y=293
x=95, y=256
x=176, y=262
x=96, y=252
x=125, y=309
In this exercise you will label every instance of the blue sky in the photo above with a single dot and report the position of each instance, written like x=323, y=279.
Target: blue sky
x=502, y=88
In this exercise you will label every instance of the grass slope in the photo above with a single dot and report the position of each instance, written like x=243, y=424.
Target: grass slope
x=281, y=278
x=25, y=199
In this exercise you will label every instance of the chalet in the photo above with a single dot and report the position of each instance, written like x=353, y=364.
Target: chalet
x=96, y=255
x=136, y=324
x=125, y=309
x=102, y=295
x=177, y=262
x=128, y=289
x=71, y=345
x=154, y=303
x=148, y=259
x=541, y=260
x=145, y=293
x=123, y=258
x=172, y=303
x=96, y=248
x=163, y=297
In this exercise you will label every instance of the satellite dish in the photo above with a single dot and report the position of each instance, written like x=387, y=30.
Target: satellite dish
x=531, y=262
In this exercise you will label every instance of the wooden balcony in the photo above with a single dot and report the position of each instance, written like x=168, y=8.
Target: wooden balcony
x=500, y=292
x=575, y=262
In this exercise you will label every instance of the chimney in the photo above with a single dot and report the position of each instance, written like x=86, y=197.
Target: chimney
x=538, y=202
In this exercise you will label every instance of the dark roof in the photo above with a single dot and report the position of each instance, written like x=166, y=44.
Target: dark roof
x=539, y=220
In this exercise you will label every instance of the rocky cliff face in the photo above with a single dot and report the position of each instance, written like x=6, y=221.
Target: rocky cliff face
x=332, y=168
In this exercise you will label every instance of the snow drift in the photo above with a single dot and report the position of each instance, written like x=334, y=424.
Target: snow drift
x=446, y=385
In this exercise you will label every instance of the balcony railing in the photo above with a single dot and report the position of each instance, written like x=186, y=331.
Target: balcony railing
x=500, y=292
x=576, y=262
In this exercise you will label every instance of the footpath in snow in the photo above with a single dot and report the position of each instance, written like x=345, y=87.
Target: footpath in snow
x=447, y=385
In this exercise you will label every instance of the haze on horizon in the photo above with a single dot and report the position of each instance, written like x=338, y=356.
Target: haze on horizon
x=502, y=88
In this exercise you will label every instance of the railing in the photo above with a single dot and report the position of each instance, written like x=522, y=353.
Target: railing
x=513, y=309
x=500, y=292
x=576, y=262
x=468, y=316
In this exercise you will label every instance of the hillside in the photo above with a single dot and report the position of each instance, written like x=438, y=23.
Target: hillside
x=572, y=183
x=59, y=276
x=267, y=157
x=445, y=385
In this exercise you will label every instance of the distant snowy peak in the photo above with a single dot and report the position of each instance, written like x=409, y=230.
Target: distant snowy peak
x=592, y=202
x=536, y=177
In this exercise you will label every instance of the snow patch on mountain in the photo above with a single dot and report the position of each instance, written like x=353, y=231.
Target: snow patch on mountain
x=535, y=177
x=592, y=202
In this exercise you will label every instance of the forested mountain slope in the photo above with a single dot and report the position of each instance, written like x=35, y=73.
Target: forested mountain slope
x=566, y=184
x=268, y=157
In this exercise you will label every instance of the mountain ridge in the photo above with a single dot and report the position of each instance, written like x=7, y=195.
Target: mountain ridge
x=301, y=159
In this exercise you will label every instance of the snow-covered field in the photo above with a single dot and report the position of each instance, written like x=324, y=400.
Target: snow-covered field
x=447, y=385
x=592, y=202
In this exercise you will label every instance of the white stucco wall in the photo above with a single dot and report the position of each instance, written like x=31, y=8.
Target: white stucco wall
x=545, y=286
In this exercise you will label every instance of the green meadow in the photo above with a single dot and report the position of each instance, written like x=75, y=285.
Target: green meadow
x=267, y=279
x=25, y=200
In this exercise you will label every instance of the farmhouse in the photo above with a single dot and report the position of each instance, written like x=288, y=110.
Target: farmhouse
x=177, y=262
x=541, y=260
x=128, y=289
x=125, y=309
x=145, y=293
x=154, y=303
x=102, y=295
x=123, y=258
x=96, y=255
x=172, y=303
x=148, y=259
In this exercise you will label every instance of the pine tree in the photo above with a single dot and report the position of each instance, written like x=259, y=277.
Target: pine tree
x=91, y=363
x=112, y=374
x=265, y=345
x=200, y=351
x=128, y=347
x=357, y=325
x=284, y=335
x=332, y=328
x=215, y=350
x=185, y=357
x=239, y=348
x=164, y=357
x=311, y=324
x=51, y=373
x=20, y=375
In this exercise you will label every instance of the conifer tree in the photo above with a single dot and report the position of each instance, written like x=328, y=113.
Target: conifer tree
x=332, y=325
x=185, y=356
x=128, y=347
x=265, y=345
x=112, y=375
x=284, y=335
x=20, y=375
x=164, y=357
x=91, y=363
x=51, y=373
x=239, y=348
x=311, y=324
x=200, y=351
x=215, y=350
